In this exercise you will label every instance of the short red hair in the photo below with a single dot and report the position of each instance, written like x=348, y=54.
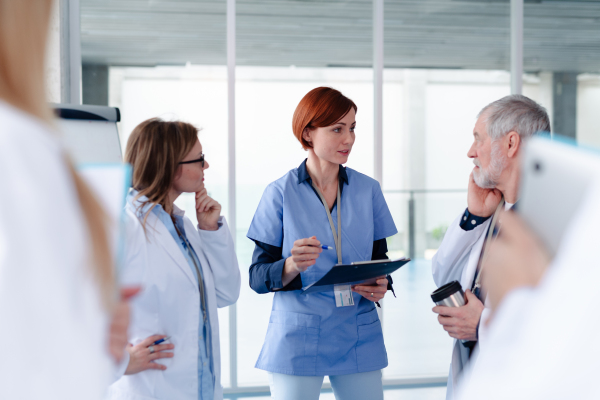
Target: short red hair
x=319, y=108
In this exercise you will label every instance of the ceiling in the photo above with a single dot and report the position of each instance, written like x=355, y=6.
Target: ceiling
x=473, y=34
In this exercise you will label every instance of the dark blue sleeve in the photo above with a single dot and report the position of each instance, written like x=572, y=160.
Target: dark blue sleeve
x=380, y=250
x=267, y=268
x=471, y=221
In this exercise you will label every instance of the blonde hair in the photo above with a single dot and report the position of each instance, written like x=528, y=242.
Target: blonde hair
x=24, y=28
x=154, y=150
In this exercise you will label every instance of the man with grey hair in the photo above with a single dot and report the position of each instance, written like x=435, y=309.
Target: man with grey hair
x=498, y=136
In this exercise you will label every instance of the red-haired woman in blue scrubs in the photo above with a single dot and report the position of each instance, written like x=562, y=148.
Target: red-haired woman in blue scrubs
x=321, y=203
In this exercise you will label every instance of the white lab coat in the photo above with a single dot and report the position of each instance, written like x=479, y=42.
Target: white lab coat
x=457, y=259
x=543, y=342
x=53, y=326
x=169, y=303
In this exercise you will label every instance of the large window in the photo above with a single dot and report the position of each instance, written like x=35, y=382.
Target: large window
x=443, y=61
x=562, y=49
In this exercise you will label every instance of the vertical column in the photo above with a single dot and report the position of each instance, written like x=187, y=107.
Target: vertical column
x=564, y=96
x=94, y=84
x=52, y=71
x=414, y=103
x=231, y=176
x=547, y=94
x=378, y=89
x=516, y=46
x=70, y=51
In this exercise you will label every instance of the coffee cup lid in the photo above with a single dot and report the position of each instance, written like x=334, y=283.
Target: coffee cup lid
x=445, y=291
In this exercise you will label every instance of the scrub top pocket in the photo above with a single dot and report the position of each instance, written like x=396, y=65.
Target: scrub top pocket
x=291, y=344
x=370, y=350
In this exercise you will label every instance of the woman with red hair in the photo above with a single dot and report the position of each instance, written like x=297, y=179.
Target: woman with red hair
x=321, y=204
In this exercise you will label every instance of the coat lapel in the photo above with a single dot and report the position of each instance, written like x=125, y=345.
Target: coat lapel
x=194, y=240
x=469, y=272
x=157, y=231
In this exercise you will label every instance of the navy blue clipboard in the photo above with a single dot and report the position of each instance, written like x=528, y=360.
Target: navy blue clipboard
x=353, y=274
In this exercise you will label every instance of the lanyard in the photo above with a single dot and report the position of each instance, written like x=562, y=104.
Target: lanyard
x=476, y=289
x=336, y=237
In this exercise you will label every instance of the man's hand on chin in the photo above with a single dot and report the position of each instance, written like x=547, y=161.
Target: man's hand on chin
x=461, y=322
x=482, y=202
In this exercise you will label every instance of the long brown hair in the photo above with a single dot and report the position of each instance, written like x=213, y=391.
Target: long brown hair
x=24, y=28
x=154, y=150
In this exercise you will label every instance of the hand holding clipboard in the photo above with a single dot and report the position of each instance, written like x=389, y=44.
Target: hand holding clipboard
x=360, y=273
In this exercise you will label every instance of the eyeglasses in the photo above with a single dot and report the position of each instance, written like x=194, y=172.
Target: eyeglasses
x=200, y=160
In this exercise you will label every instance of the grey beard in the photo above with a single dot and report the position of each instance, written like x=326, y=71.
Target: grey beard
x=483, y=179
x=488, y=179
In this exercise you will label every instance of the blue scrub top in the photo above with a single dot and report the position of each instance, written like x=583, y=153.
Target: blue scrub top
x=307, y=334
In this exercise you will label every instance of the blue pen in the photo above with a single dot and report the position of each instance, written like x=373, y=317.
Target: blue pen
x=159, y=341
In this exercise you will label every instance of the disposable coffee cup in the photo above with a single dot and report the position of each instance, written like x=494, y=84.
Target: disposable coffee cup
x=449, y=295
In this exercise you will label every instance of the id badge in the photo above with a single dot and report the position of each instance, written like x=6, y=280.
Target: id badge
x=343, y=295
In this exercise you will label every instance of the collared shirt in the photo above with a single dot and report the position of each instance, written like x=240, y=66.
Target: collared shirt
x=205, y=373
x=471, y=221
x=267, y=263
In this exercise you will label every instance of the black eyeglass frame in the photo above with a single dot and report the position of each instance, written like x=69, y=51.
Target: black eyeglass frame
x=200, y=160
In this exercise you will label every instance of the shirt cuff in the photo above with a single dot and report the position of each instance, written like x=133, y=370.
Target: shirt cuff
x=274, y=278
x=219, y=225
x=471, y=221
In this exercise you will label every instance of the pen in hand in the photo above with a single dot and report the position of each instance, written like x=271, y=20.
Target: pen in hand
x=159, y=341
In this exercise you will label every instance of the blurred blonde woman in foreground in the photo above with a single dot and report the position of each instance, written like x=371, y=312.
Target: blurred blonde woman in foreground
x=57, y=292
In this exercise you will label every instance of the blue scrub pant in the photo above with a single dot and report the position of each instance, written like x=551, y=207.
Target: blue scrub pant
x=361, y=386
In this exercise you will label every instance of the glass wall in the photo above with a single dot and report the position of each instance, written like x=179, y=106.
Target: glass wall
x=562, y=48
x=444, y=61
x=128, y=38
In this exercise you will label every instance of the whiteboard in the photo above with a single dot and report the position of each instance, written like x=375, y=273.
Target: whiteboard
x=91, y=142
x=91, y=138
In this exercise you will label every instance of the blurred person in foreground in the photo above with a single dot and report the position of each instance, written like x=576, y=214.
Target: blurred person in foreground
x=60, y=319
x=543, y=331
x=493, y=185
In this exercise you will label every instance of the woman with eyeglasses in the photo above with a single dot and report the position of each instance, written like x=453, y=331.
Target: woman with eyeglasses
x=321, y=203
x=186, y=272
